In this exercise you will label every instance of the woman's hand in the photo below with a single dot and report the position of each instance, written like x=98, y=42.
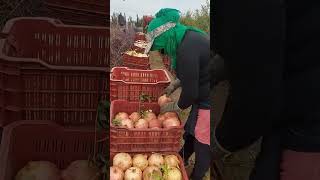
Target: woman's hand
x=170, y=107
x=172, y=87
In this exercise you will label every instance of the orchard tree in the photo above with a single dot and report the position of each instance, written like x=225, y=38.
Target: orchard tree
x=200, y=18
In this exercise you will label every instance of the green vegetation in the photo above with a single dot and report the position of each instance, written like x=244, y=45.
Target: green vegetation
x=199, y=18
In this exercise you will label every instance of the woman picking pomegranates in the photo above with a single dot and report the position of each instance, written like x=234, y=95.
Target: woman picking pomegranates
x=189, y=50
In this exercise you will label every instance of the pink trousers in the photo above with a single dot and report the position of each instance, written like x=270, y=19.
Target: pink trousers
x=202, y=129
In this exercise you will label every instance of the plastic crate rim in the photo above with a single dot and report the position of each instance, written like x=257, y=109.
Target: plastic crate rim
x=141, y=70
x=53, y=67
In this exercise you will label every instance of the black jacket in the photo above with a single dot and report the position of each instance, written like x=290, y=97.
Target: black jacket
x=193, y=70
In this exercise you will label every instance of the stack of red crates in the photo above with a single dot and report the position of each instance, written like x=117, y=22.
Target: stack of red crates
x=52, y=77
x=52, y=71
x=126, y=86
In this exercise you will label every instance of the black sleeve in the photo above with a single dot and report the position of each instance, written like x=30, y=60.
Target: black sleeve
x=188, y=59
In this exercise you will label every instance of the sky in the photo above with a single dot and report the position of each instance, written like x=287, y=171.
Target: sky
x=150, y=7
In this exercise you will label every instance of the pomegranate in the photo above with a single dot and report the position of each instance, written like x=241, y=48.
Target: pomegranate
x=127, y=123
x=156, y=159
x=151, y=173
x=116, y=173
x=162, y=100
x=140, y=161
x=133, y=173
x=173, y=174
x=135, y=116
x=122, y=116
x=141, y=124
x=171, y=122
x=39, y=170
x=155, y=123
x=148, y=115
x=172, y=161
x=161, y=117
x=170, y=114
x=122, y=160
x=80, y=170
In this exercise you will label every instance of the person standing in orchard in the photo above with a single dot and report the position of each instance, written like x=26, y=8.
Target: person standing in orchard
x=189, y=50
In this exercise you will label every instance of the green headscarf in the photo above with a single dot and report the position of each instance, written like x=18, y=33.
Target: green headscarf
x=170, y=39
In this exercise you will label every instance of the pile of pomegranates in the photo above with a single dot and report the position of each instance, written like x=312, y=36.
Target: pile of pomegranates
x=143, y=167
x=147, y=119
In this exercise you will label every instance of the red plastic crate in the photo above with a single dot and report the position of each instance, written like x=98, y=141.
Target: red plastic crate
x=26, y=141
x=181, y=166
x=137, y=140
x=142, y=61
x=101, y=6
x=146, y=20
x=129, y=84
x=33, y=90
x=55, y=43
x=167, y=64
x=137, y=66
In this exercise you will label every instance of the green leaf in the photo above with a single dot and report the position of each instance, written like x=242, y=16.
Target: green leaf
x=116, y=122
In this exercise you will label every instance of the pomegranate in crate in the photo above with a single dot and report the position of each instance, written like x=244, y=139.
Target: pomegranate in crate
x=147, y=165
x=140, y=36
x=135, y=58
x=139, y=46
x=130, y=84
x=152, y=139
x=26, y=141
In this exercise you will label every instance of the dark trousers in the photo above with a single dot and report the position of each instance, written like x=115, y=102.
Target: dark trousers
x=202, y=156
